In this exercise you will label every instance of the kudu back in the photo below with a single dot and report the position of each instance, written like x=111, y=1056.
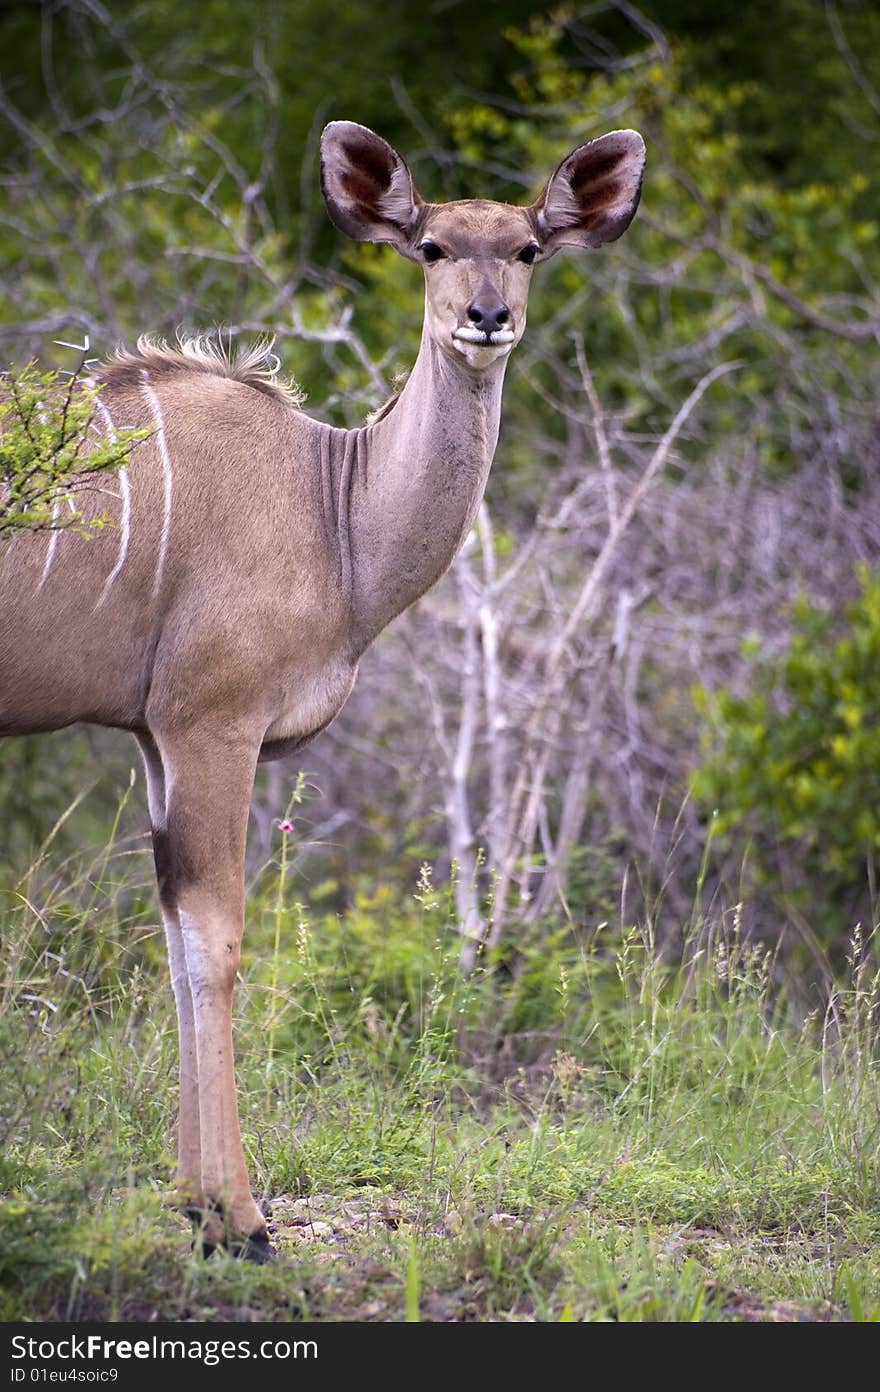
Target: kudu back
x=255, y=554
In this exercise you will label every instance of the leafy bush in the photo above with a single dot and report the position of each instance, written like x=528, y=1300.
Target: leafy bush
x=51, y=444
x=796, y=761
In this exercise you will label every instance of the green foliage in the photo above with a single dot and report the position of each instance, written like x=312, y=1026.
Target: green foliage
x=52, y=444
x=745, y=246
x=809, y=70
x=796, y=761
x=672, y=1144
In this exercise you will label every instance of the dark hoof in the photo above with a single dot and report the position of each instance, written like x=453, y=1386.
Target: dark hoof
x=196, y=1214
x=256, y=1248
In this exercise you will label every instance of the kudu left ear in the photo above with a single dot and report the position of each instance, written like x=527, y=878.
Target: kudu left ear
x=367, y=187
x=593, y=196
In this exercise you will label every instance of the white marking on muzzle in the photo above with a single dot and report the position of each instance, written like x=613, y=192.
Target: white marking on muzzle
x=156, y=413
x=468, y=334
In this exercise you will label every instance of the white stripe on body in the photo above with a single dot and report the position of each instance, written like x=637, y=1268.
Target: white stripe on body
x=156, y=413
x=53, y=542
x=126, y=508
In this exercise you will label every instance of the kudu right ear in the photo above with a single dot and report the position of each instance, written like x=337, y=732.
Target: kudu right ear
x=593, y=196
x=367, y=187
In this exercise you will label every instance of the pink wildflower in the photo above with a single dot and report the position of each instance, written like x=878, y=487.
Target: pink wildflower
x=284, y=825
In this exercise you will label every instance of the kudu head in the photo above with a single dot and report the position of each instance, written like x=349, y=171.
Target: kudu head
x=478, y=256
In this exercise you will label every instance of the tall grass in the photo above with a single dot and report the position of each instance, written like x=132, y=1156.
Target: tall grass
x=584, y=1128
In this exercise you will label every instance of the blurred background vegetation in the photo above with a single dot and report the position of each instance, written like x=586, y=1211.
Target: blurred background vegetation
x=647, y=627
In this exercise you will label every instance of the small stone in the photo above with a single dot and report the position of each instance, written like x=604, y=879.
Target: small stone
x=504, y=1220
x=315, y=1231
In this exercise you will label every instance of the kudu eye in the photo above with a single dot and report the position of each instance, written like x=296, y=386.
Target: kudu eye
x=528, y=253
x=431, y=251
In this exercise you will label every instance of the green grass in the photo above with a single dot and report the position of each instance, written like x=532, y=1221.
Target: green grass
x=582, y=1131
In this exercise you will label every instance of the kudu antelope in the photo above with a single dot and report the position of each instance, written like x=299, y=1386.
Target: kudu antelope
x=256, y=554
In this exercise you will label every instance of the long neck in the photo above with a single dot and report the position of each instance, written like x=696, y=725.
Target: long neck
x=416, y=479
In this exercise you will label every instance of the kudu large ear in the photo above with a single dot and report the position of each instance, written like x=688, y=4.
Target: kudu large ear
x=367, y=187
x=593, y=196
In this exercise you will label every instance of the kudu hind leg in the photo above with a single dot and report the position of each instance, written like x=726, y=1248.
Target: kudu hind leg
x=189, y=1162
x=208, y=788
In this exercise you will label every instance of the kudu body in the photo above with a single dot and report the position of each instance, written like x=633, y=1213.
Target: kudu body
x=256, y=554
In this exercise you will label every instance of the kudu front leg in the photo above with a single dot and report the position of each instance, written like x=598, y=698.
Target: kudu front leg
x=200, y=865
x=189, y=1156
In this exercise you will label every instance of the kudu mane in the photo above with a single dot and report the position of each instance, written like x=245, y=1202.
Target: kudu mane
x=256, y=366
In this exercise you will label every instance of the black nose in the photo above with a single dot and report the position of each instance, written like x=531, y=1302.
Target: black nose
x=488, y=317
